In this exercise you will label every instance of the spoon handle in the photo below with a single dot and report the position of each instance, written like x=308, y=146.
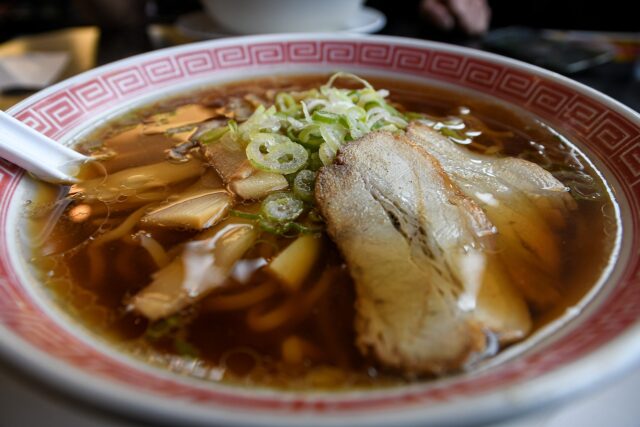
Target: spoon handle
x=38, y=154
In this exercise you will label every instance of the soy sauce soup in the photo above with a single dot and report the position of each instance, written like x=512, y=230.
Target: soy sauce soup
x=254, y=329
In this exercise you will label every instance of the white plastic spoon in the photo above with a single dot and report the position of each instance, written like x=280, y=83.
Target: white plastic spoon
x=36, y=153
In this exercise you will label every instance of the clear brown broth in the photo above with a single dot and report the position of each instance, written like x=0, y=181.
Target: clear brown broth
x=220, y=345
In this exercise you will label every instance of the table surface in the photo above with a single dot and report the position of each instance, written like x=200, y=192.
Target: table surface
x=25, y=404
x=612, y=405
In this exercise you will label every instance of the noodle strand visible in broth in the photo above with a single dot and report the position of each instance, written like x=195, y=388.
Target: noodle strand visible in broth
x=293, y=309
x=154, y=248
x=121, y=230
x=243, y=299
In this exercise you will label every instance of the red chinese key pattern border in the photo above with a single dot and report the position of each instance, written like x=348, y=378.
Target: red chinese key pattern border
x=613, y=138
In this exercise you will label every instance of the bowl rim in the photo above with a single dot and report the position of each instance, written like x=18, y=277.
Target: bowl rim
x=621, y=353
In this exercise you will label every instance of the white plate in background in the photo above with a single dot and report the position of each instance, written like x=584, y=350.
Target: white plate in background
x=199, y=26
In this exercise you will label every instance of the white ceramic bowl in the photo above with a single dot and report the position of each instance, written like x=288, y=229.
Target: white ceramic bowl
x=573, y=354
x=271, y=16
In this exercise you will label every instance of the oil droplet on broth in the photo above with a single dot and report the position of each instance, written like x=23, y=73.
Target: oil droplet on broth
x=136, y=181
x=80, y=213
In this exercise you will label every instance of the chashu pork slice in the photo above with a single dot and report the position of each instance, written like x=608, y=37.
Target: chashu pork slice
x=414, y=246
x=526, y=203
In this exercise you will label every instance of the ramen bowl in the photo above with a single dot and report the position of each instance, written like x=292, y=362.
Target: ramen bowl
x=595, y=341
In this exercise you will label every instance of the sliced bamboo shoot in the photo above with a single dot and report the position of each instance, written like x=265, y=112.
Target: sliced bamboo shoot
x=194, y=210
x=203, y=266
x=133, y=150
x=133, y=202
x=258, y=185
x=208, y=180
x=191, y=114
x=130, y=182
x=293, y=265
x=229, y=158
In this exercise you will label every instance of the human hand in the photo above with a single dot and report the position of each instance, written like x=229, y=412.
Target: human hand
x=471, y=16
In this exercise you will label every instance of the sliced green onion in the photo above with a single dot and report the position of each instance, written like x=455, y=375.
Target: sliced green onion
x=303, y=185
x=286, y=103
x=344, y=75
x=411, y=115
x=213, y=135
x=261, y=120
x=314, y=163
x=305, y=229
x=180, y=129
x=326, y=154
x=164, y=327
x=185, y=349
x=310, y=136
x=281, y=138
x=325, y=117
x=276, y=153
x=333, y=136
x=245, y=215
x=455, y=135
x=281, y=207
x=233, y=126
x=273, y=227
x=288, y=229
